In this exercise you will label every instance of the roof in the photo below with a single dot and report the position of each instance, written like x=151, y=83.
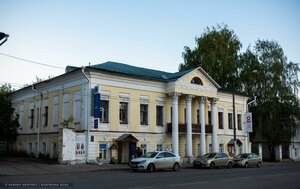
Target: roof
x=127, y=138
x=135, y=71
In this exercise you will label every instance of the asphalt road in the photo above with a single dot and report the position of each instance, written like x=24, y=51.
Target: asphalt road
x=281, y=175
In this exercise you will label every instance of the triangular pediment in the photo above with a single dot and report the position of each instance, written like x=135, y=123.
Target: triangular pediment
x=206, y=80
x=196, y=82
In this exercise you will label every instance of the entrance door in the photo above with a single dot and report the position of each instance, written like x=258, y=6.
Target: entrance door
x=132, y=150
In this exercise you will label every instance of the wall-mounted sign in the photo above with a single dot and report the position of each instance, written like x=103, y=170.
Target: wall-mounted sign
x=248, y=122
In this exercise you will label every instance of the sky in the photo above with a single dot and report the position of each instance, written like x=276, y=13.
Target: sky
x=144, y=33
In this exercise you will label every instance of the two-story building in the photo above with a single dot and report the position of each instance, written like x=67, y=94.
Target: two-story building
x=103, y=112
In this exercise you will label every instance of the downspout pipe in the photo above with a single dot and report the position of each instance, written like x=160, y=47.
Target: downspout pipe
x=87, y=113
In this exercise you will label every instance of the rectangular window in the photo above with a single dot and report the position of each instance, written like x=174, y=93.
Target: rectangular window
x=230, y=121
x=30, y=150
x=239, y=119
x=103, y=151
x=55, y=110
x=37, y=117
x=159, y=116
x=21, y=118
x=220, y=115
x=221, y=147
x=144, y=114
x=144, y=148
x=185, y=115
x=66, y=107
x=123, y=112
x=31, y=117
x=54, y=151
x=210, y=148
x=44, y=148
x=77, y=107
x=46, y=114
x=209, y=117
x=159, y=147
x=171, y=114
x=198, y=117
x=104, y=109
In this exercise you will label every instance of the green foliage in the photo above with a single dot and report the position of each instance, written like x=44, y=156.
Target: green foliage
x=66, y=123
x=8, y=121
x=216, y=52
x=274, y=84
x=262, y=71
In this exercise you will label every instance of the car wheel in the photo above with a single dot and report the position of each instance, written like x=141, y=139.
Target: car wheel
x=259, y=164
x=175, y=167
x=212, y=165
x=150, y=167
x=229, y=165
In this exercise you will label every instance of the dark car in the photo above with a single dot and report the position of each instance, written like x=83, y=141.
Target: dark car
x=213, y=160
x=247, y=160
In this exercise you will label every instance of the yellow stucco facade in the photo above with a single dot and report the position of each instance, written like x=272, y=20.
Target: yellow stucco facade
x=71, y=96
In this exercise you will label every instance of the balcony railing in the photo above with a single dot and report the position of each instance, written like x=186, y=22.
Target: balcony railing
x=196, y=128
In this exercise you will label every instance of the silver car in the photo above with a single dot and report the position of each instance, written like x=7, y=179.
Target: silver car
x=156, y=160
x=247, y=160
x=213, y=160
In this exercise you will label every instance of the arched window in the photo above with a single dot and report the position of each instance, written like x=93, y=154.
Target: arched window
x=197, y=81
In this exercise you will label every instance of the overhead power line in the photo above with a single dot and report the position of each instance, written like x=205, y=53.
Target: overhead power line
x=30, y=61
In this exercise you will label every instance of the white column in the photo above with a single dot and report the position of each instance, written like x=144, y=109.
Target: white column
x=202, y=122
x=175, y=146
x=189, y=127
x=214, y=112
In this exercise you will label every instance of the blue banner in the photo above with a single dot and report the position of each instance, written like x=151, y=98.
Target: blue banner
x=97, y=105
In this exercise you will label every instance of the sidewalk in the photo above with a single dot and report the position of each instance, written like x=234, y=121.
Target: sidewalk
x=25, y=166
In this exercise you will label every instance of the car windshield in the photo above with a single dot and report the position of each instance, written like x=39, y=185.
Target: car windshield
x=150, y=154
x=209, y=155
x=242, y=156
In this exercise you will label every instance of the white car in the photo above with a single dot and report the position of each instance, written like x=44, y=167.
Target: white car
x=156, y=160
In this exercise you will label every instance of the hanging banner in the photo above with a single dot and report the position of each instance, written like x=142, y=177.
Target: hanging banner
x=248, y=122
x=97, y=105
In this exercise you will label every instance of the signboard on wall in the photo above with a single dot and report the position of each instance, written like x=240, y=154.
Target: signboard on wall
x=97, y=105
x=248, y=122
x=80, y=147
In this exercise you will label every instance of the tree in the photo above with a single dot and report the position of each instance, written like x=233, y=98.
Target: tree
x=274, y=84
x=8, y=121
x=263, y=72
x=216, y=52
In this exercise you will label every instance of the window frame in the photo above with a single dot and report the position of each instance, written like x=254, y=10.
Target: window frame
x=221, y=120
x=104, y=119
x=145, y=114
x=126, y=114
x=159, y=118
x=239, y=121
x=230, y=120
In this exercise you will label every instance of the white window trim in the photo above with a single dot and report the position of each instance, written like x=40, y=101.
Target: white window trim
x=77, y=98
x=105, y=95
x=125, y=98
x=161, y=101
x=55, y=112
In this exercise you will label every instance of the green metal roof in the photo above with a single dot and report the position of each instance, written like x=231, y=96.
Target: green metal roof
x=121, y=68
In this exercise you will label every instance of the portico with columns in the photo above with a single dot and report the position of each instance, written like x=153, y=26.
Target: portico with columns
x=194, y=110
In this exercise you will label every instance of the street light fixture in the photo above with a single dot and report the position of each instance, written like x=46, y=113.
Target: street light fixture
x=3, y=36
